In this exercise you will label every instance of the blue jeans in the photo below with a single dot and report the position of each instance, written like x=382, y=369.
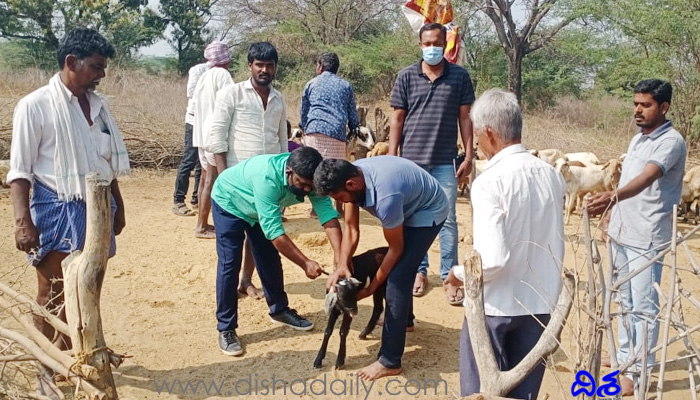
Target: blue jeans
x=189, y=162
x=637, y=295
x=230, y=233
x=399, y=298
x=445, y=175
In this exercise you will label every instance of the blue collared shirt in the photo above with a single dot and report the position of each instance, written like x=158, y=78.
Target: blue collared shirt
x=327, y=105
x=398, y=191
x=644, y=220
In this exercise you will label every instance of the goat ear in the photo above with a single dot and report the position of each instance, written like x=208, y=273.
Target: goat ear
x=355, y=281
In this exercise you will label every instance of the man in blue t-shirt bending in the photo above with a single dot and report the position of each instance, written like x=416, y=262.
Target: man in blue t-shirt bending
x=412, y=207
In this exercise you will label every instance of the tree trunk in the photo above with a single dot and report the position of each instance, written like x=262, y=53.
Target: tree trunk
x=83, y=274
x=515, y=67
x=493, y=381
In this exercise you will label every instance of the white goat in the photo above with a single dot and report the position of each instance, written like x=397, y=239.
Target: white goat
x=691, y=193
x=583, y=180
x=550, y=156
x=4, y=170
x=585, y=157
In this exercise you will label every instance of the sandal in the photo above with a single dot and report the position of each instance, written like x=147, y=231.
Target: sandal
x=205, y=235
x=420, y=286
x=182, y=210
x=454, y=298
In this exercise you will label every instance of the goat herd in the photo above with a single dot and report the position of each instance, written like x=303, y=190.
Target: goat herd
x=585, y=174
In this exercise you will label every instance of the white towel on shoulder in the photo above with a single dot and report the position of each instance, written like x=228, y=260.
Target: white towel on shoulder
x=77, y=150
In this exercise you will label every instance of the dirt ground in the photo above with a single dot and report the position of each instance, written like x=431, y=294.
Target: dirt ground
x=158, y=306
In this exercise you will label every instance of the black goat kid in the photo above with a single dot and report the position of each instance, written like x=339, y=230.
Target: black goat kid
x=365, y=269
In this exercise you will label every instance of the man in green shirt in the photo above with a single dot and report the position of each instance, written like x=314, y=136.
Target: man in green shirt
x=246, y=201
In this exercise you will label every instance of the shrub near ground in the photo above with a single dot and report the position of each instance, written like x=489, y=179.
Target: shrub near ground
x=150, y=111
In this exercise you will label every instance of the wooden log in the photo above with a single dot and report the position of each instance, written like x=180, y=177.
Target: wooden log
x=48, y=359
x=83, y=274
x=38, y=338
x=493, y=381
x=25, y=301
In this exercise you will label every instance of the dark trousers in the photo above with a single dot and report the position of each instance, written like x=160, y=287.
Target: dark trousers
x=189, y=162
x=399, y=293
x=230, y=233
x=511, y=338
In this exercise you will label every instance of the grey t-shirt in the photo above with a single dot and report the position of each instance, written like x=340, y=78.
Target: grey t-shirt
x=398, y=191
x=644, y=221
x=429, y=135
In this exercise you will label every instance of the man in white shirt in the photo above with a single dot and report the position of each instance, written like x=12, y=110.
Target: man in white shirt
x=61, y=133
x=219, y=56
x=519, y=232
x=249, y=119
x=190, y=157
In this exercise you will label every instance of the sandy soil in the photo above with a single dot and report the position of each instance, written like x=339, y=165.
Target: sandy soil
x=158, y=306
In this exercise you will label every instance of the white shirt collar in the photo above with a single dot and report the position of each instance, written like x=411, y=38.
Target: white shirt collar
x=512, y=149
x=93, y=98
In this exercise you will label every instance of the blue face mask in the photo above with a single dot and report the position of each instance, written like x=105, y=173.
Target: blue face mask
x=432, y=55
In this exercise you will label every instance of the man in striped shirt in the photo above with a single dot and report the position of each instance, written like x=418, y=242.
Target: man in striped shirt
x=430, y=98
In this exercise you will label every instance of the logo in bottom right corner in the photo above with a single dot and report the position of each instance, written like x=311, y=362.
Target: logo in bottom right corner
x=585, y=383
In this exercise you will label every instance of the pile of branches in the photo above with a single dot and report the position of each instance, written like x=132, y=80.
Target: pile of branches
x=152, y=146
x=148, y=146
x=17, y=372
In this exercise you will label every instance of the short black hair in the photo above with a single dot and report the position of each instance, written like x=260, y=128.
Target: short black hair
x=332, y=174
x=432, y=26
x=329, y=62
x=262, y=51
x=82, y=43
x=660, y=90
x=303, y=161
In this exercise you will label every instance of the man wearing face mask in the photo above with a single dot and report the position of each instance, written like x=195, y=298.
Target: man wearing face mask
x=430, y=99
x=246, y=202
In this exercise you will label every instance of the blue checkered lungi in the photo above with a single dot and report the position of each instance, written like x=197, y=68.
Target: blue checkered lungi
x=61, y=224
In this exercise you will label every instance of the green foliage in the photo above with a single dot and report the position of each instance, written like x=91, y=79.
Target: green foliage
x=20, y=54
x=40, y=23
x=188, y=20
x=156, y=65
x=371, y=66
x=658, y=39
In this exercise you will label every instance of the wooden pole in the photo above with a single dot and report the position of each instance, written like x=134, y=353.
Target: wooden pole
x=669, y=307
x=594, y=337
x=83, y=274
x=607, y=300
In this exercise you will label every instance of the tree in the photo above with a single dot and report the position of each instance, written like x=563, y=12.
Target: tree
x=657, y=40
x=327, y=21
x=188, y=20
x=126, y=23
x=516, y=42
